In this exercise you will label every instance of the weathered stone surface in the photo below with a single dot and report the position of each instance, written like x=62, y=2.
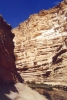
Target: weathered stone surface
x=7, y=59
x=41, y=46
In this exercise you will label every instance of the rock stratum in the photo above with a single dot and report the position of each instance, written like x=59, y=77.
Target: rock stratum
x=41, y=46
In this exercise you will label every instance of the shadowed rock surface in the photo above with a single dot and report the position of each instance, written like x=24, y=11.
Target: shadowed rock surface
x=8, y=73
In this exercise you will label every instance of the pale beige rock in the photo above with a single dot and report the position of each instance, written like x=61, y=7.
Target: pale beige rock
x=40, y=49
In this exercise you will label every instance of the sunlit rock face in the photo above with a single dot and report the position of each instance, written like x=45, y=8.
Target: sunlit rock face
x=41, y=45
x=7, y=59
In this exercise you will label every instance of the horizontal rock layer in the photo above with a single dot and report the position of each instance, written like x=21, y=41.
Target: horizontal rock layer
x=41, y=45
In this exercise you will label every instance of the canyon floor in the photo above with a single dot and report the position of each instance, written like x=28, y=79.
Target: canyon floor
x=19, y=92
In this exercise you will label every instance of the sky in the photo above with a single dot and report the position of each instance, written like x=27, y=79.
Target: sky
x=17, y=11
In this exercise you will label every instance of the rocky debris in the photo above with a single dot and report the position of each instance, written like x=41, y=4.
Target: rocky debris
x=57, y=85
x=8, y=73
x=41, y=45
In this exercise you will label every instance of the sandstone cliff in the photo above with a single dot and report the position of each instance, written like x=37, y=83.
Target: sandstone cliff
x=41, y=45
x=7, y=59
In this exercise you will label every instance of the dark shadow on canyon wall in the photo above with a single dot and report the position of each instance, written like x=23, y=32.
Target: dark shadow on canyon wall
x=8, y=72
x=18, y=77
x=6, y=90
x=47, y=95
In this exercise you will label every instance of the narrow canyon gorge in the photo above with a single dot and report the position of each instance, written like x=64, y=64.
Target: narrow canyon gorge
x=35, y=51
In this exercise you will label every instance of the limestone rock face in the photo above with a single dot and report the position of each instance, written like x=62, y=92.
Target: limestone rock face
x=7, y=59
x=41, y=45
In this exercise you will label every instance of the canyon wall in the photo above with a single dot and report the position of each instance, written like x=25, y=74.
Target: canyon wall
x=41, y=46
x=7, y=58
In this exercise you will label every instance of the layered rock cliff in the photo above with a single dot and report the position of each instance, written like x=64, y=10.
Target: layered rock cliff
x=41, y=45
x=7, y=59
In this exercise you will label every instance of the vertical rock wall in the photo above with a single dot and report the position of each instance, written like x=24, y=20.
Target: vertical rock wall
x=7, y=59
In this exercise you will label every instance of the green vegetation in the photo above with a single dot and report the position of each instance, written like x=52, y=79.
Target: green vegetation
x=35, y=85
